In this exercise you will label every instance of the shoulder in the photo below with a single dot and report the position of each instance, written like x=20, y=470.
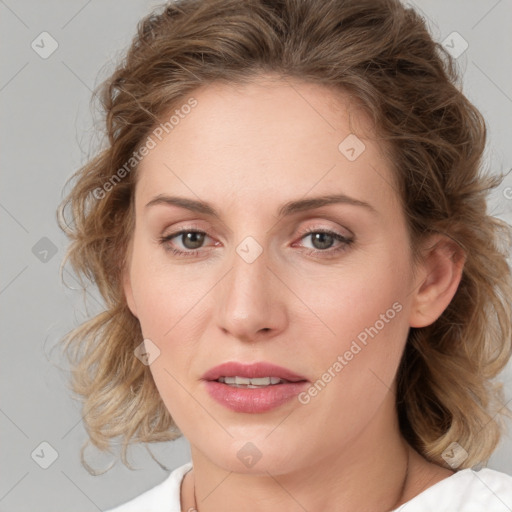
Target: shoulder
x=465, y=491
x=164, y=497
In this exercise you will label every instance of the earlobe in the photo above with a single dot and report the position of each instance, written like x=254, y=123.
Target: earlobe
x=438, y=280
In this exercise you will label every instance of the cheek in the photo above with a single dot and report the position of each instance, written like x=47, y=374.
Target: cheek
x=364, y=326
x=354, y=369
x=164, y=293
x=168, y=300
x=351, y=299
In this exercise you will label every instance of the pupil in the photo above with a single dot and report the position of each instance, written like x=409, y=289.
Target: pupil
x=321, y=238
x=193, y=238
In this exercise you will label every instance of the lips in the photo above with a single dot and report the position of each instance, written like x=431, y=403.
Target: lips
x=252, y=371
x=252, y=388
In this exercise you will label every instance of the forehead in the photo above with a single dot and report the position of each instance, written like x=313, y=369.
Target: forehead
x=281, y=138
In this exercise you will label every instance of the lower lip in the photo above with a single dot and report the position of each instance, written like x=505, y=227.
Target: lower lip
x=254, y=400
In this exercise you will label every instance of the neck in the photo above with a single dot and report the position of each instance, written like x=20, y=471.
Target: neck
x=369, y=473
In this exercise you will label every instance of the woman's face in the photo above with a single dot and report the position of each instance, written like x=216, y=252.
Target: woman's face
x=333, y=309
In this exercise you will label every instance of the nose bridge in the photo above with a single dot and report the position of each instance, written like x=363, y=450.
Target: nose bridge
x=249, y=276
x=247, y=302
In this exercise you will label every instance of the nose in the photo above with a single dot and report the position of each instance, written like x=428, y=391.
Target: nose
x=250, y=300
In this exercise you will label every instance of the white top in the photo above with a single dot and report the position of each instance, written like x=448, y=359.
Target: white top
x=465, y=491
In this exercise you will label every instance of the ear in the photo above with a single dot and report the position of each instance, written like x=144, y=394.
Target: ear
x=438, y=277
x=127, y=284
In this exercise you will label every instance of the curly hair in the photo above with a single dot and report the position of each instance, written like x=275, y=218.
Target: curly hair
x=382, y=54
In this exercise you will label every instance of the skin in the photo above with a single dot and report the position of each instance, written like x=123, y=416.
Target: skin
x=247, y=150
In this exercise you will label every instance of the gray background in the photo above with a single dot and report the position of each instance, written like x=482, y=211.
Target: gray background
x=47, y=132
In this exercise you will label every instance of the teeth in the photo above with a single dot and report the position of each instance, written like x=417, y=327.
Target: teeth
x=250, y=383
x=265, y=381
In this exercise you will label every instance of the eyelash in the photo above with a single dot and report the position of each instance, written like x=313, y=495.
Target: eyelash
x=346, y=242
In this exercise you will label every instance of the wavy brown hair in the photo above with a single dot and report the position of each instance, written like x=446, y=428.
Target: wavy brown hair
x=382, y=54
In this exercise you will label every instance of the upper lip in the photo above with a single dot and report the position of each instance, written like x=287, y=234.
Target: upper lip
x=251, y=371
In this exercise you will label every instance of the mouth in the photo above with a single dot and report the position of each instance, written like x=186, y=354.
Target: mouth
x=252, y=388
x=245, y=382
x=253, y=374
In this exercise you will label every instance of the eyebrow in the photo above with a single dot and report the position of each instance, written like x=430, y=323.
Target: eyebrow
x=286, y=209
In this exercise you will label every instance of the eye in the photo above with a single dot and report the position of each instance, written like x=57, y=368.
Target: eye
x=191, y=240
x=323, y=240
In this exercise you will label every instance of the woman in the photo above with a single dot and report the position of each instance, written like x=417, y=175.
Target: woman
x=289, y=228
